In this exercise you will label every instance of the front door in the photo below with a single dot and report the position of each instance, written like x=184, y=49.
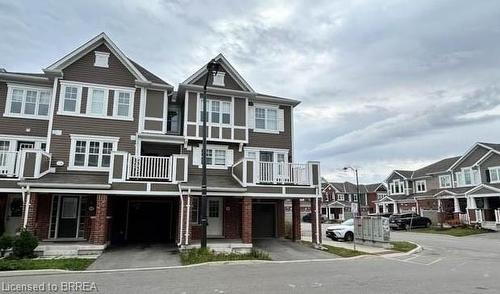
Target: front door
x=214, y=217
x=68, y=217
x=14, y=214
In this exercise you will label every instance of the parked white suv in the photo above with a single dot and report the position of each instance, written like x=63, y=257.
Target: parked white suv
x=343, y=231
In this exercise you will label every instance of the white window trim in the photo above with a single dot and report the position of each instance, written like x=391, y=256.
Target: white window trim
x=25, y=88
x=341, y=197
x=130, y=115
x=218, y=79
x=101, y=139
x=102, y=56
x=420, y=182
x=90, y=96
x=209, y=111
x=213, y=148
x=472, y=176
x=80, y=86
x=274, y=150
x=449, y=180
x=266, y=107
x=497, y=169
x=400, y=184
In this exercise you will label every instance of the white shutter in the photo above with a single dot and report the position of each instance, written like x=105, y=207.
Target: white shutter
x=229, y=157
x=196, y=156
x=251, y=117
x=281, y=120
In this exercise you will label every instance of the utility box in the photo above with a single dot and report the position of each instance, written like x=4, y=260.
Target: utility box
x=372, y=231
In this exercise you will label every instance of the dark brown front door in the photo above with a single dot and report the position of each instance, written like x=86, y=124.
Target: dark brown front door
x=68, y=217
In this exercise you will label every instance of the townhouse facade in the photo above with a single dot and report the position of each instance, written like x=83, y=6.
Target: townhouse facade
x=340, y=200
x=99, y=150
x=457, y=190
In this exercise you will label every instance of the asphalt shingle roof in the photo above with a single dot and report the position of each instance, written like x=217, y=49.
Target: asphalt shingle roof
x=436, y=167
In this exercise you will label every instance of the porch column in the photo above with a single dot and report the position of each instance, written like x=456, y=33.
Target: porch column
x=377, y=208
x=395, y=205
x=246, y=220
x=486, y=202
x=471, y=208
x=316, y=221
x=30, y=211
x=99, y=224
x=296, y=234
x=456, y=204
x=384, y=207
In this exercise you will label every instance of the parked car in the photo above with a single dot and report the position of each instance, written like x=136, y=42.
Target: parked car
x=381, y=214
x=344, y=231
x=408, y=221
x=307, y=218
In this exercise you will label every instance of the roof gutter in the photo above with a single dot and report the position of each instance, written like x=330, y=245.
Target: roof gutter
x=58, y=185
x=24, y=78
x=149, y=84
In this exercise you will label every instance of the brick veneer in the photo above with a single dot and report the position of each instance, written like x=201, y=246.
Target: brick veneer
x=99, y=222
x=280, y=215
x=472, y=215
x=32, y=213
x=316, y=234
x=296, y=234
x=232, y=208
x=246, y=220
x=3, y=207
x=43, y=216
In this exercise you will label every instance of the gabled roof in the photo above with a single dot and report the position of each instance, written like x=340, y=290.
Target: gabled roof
x=227, y=67
x=374, y=187
x=484, y=189
x=493, y=146
x=436, y=167
x=139, y=72
x=488, y=146
x=404, y=173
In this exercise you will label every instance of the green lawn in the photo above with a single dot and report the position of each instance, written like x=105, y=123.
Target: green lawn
x=199, y=255
x=457, y=232
x=403, y=246
x=72, y=264
x=339, y=251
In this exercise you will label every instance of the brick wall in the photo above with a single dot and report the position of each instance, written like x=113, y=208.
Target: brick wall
x=296, y=234
x=32, y=213
x=99, y=222
x=280, y=218
x=43, y=216
x=246, y=220
x=232, y=215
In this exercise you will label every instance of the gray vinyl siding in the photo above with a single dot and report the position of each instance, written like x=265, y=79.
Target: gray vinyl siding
x=18, y=126
x=472, y=158
x=393, y=177
x=283, y=140
x=229, y=82
x=493, y=160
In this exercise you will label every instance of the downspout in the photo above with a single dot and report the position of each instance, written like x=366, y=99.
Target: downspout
x=188, y=207
x=51, y=118
x=317, y=222
x=182, y=216
x=27, y=204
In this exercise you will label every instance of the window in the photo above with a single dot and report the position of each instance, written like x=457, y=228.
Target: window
x=341, y=197
x=30, y=102
x=397, y=187
x=91, y=153
x=355, y=197
x=467, y=177
x=123, y=104
x=494, y=174
x=97, y=102
x=218, y=156
x=266, y=118
x=71, y=99
x=421, y=187
x=219, y=112
x=218, y=79
x=173, y=120
x=195, y=210
x=445, y=181
x=101, y=59
x=69, y=207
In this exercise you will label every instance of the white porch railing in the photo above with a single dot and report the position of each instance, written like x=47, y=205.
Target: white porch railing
x=464, y=218
x=9, y=165
x=479, y=215
x=282, y=172
x=149, y=167
x=497, y=216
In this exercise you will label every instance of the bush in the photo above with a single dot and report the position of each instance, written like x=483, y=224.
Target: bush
x=5, y=243
x=24, y=245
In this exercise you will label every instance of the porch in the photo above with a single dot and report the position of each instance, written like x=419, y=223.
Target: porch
x=485, y=211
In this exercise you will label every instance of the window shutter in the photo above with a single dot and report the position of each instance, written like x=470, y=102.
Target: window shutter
x=196, y=156
x=229, y=157
x=281, y=120
x=251, y=117
x=488, y=176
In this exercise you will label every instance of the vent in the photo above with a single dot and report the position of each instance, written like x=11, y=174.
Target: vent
x=219, y=79
x=101, y=59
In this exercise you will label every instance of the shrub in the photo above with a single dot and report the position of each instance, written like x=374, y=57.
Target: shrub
x=24, y=245
x=5, y=243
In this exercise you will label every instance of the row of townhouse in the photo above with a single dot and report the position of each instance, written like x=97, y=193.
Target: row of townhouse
x=340, y=200
x=457, y=190
x=98, y=150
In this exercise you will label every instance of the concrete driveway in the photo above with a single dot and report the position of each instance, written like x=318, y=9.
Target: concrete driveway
x=280, y=249
x=137, y=256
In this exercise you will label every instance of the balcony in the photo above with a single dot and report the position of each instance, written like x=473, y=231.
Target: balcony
x=29, y=163
x=253, y=172
x=9, y=164
x=127, y=167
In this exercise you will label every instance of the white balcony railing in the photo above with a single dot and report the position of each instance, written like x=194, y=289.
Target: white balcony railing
x=464, y=218
x=9, y=165
x=149, y=167
x=282, y=172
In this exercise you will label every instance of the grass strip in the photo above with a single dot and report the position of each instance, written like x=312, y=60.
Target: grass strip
x=72, y=264
x=200, y=255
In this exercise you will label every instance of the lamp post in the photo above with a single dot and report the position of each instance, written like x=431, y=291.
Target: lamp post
x=358, y=202
x=212, y=68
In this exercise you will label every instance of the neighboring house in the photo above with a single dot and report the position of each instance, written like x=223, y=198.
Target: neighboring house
x=99, y=150
x=461, y=189
x=340, y=199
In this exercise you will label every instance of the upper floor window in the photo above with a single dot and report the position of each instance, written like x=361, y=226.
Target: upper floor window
x=218, y=112
x=396, y=187
x=29, y=102
x=92, y=152
x=467, y=177
x=354, y=197
x=420, y=186
x=445, y=181
x=218, y=156
x=266, y=118
x=72, y=96
x=123, y=105
x=340, y=197
x=97, y=101
x=494, y=174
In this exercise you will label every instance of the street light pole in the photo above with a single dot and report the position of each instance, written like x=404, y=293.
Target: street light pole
x=212, y=68
x=358, y=201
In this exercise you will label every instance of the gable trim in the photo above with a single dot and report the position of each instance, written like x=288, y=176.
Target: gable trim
x=493, y=189
x=336, y=202
x=486, y=156
x=467, y=154
x=87, y=47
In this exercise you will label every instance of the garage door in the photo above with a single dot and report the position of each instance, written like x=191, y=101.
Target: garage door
x=264, y=220
x=150, y=221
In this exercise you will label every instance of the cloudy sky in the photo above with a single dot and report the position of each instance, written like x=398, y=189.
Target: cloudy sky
x=384, y=84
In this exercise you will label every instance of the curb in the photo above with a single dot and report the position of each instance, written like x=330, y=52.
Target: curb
x=416, y=250
x=46, y=272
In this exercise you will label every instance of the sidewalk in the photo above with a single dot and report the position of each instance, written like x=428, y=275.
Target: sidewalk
x=350, y=245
